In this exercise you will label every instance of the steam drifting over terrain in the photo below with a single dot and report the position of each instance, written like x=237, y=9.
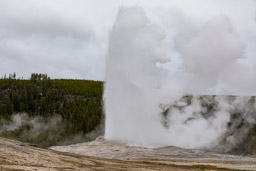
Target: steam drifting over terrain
x=144, y=106
x=38, y=130
x=43, y=131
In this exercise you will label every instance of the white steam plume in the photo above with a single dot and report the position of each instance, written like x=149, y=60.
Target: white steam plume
x=138, y=94
x=135, y=48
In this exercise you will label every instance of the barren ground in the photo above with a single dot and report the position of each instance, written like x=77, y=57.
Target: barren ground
x=165, y=155
x=109, y=155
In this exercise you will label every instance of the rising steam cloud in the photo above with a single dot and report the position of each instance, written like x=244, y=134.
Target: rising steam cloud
x=145, y=107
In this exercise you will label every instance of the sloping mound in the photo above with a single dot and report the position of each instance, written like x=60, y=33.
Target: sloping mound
x=165, y=155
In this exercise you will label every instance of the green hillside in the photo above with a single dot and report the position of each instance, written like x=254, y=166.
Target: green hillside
x=72, y=107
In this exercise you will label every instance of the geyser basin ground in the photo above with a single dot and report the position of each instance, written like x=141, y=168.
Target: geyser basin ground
x=22, y=156
x=165, y=155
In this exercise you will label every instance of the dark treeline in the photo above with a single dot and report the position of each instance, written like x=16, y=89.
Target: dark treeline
x=78, y=102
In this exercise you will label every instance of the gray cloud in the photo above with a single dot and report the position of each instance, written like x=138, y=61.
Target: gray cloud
x=36, y=37
x=69, y=38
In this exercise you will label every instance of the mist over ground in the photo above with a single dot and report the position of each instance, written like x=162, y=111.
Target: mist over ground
x=43, y=131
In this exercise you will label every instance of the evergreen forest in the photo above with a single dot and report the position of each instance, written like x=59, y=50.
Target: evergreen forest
x=48, y=111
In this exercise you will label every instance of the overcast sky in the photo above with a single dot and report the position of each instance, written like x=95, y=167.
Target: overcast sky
x=69, y=39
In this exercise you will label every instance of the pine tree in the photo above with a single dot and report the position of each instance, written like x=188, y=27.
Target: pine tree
x=9, y=106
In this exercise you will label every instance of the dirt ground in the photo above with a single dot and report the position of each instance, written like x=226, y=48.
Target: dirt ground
x=165, y=155
x=15, y=155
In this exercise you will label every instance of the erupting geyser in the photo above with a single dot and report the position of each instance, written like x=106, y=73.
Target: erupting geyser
x=141, y=102
x=131, y=91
